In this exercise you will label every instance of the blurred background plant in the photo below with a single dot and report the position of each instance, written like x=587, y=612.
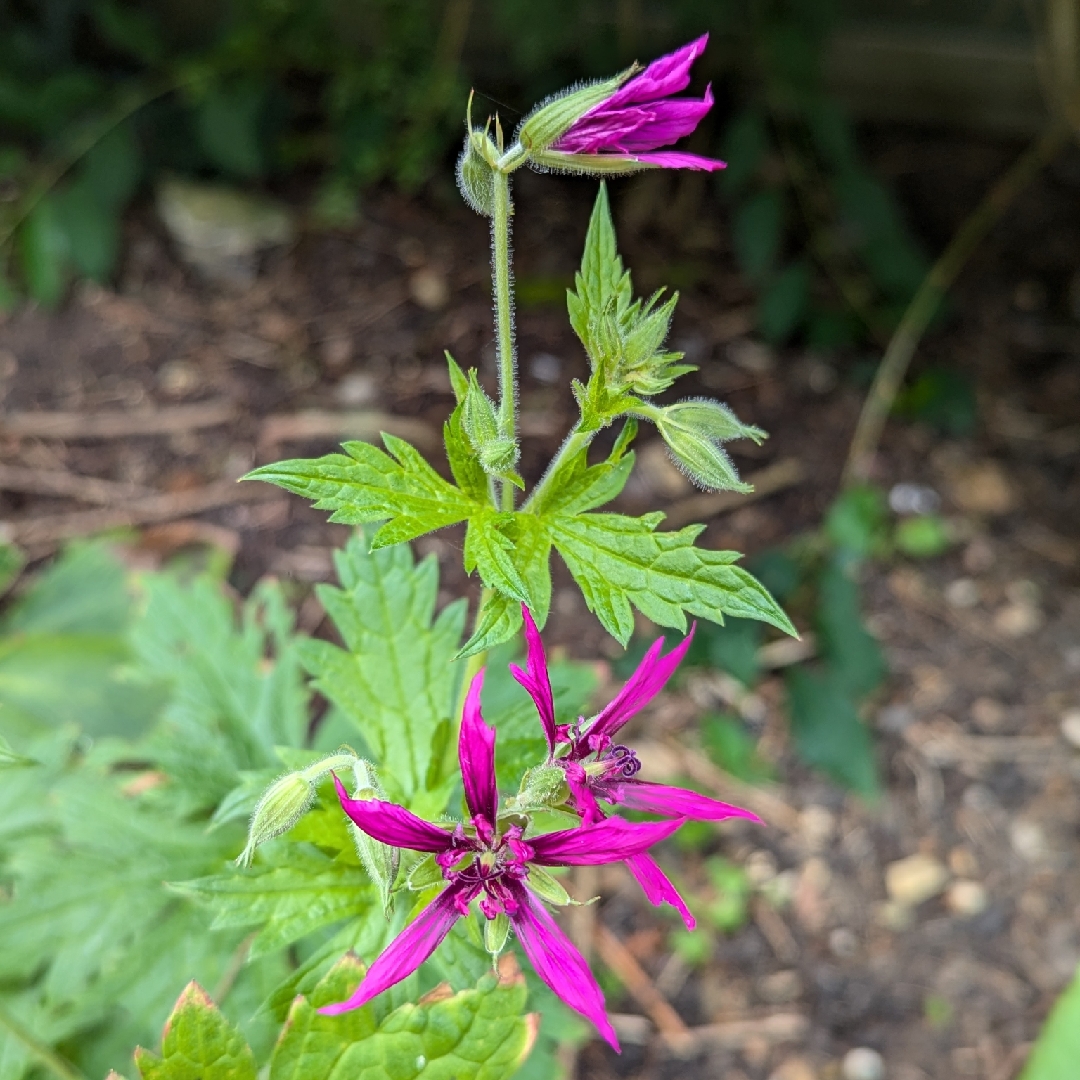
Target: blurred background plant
x=99, y=98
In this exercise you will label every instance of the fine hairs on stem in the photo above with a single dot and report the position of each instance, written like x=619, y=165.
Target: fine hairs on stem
x=502, y=278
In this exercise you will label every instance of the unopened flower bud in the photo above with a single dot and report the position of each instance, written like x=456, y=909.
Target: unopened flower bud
x=693, y=431
x=283, y=804
x=379, y=860
x=475, y=176
x=497, y=453
x=544, y=785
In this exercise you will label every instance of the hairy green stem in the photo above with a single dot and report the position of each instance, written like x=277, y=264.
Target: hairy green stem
x=504, y=317
x=575, y=442
x=906, y=337
x=45, y=1054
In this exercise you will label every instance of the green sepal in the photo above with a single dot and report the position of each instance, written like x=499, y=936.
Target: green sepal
x=589, y=164
x=548, y=887
x=496, y=931
x=426, y=874
x=545, y=124
x=198, y=1044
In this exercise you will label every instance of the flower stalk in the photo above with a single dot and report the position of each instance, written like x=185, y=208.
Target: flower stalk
x=504, y=317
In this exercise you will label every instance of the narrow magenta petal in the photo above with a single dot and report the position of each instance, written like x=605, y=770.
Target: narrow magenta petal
x=535, y=678
x=558, y=963
x=582, y=798
x=681, y=802
x=658, y=889
x=636, y=129
x=667, y=75
x=476, y=753
x=408, y=950
x=676, y=159
x=647, y=681
x=611, y=840
x=392, y=824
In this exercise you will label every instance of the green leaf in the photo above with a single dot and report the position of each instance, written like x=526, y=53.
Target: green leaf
x=757, y=232
x=784, y=302
x=479, y=1033
x=63, y=653
x=287, y=901
x=227, y=122
x=1057, y=1049
x=231, y=705
x=394, y=679
x=490, y=552
x=82, y=592
x=851, y=650
x=370, y=485
x=112, y=168
x=199, y=1044
x=601, y=276
x=92, y=229
x=43, y=253
x=500, y=619
x=618, y=561
x=828, y=732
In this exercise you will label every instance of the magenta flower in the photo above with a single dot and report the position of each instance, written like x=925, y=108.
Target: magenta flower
x=487, y=860
x=597, y=767
x=638, y=119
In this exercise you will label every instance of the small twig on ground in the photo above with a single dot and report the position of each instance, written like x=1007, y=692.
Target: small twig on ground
x=52, y=529
x=734, y=1034
x=116, y=425
x=924, y=304
x=767, y=481
x=68, y=485
x=775, y=931
x=365, y=425
x=634, y=977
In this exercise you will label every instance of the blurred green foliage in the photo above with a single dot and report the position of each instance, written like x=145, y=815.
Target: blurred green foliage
x=99, y=96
